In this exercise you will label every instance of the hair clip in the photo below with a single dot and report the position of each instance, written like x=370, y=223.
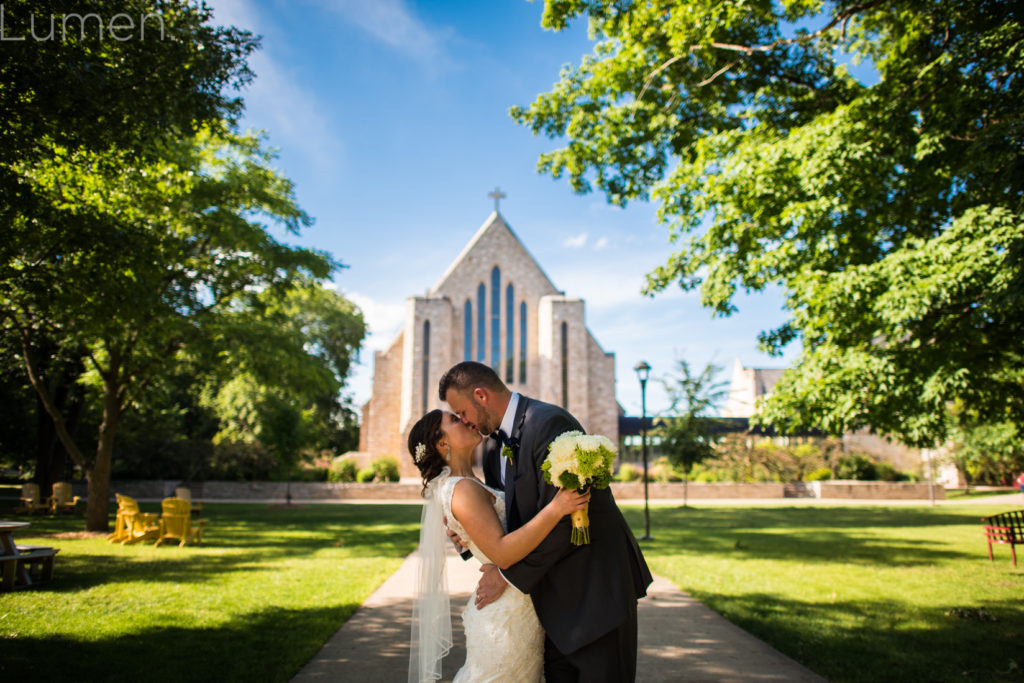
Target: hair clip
x=421, y=452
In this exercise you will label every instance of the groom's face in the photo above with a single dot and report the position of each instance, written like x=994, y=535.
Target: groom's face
x=473, y=409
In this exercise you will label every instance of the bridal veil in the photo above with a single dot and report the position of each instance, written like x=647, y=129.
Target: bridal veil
x=431, y=612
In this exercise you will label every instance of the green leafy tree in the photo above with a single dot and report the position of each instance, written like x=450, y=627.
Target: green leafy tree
x=158, y=252
x=988, y=453
x=81, y=104
x=82, y=89
x=890, y=213
x=686, y=433
x=284, y=371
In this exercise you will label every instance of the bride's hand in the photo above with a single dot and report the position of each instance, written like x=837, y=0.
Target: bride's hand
x=454, y=537
x=567, y=501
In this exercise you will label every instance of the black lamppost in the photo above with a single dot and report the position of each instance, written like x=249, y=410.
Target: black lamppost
x=643, y=371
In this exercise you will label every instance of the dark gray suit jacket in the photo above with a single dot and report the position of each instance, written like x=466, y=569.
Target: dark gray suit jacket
x=580, y=592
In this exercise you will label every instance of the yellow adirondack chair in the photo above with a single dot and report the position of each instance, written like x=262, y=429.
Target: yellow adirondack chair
x=186, y=494
x=31, y=501
x=134, y=526
x=176, y=522
x=62, y=500
x=120, y=520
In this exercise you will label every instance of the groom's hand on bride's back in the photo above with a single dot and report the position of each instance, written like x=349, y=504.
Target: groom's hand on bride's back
x=492, y=585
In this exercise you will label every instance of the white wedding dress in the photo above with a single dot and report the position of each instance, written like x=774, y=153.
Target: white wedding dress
x=504, y=640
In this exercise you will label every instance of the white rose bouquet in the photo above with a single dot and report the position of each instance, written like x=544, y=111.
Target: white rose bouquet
x=579, y=461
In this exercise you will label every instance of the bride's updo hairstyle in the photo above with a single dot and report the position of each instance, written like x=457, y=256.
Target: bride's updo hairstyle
x=427, y=432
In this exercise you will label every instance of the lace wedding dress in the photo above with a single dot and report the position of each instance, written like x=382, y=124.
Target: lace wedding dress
x=504, y=640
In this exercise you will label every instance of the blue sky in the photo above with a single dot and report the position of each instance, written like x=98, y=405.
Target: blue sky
x=391, y=117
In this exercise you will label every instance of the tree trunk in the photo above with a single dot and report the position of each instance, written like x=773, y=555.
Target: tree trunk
x=97, y=512
x=51, y=455
x=59, y=424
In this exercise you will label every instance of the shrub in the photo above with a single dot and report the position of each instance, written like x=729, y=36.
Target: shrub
x=662, y=471
x=886, y=472
x=365, y=475
x=856, y=466
x=820, y=474
x=342, y=470
x=628, y=472
x=240, y=461
x=385, y=469
x=311, y=473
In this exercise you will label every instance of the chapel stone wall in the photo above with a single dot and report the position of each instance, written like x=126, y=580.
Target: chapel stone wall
x=406, y=375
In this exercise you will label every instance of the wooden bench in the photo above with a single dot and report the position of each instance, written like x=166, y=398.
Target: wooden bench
x=31, y=560
x=1008, y=528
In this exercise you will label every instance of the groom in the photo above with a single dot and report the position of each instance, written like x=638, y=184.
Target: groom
x=585, y=596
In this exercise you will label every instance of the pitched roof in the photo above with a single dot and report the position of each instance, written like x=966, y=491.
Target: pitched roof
x=765, y=380
x=494, y=229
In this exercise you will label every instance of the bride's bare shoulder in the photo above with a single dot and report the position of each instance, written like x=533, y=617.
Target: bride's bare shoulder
x=470, y=495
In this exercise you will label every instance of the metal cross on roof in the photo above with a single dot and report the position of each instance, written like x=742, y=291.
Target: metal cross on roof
x=497, y=195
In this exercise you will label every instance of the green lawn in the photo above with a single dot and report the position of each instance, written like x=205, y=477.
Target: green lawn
x=1004, y=495
x=253, y=603
x=855, y=593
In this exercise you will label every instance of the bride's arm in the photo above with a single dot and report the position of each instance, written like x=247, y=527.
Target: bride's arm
x=472, y=506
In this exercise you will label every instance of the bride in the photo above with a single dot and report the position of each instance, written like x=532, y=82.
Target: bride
x=504, y=640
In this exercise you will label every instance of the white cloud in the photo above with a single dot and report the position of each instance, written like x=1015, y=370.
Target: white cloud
x=576, y=242
x=608, y=281
x=234, y=13
x=395, y=24
x=277, y=100
x=601, y=243
x=291, y=114
x=382, y=319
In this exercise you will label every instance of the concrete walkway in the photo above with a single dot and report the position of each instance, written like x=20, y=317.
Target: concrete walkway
x=680, y=639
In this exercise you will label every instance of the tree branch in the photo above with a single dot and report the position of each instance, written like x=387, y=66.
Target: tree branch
x=718, y=73
x=47, y=400
x=747, y=50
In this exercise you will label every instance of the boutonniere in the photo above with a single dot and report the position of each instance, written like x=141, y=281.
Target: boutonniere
x=508, y=450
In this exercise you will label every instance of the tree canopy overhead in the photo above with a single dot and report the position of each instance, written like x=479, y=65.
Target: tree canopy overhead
x=890, y=212
x=82, y=87
x=136, y=239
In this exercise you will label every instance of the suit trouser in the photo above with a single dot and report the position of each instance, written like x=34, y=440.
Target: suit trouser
x=611, y=658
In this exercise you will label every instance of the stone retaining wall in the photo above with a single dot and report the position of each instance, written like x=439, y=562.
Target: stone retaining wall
x=876, y=490
x=268, y=490
x=635, y=489
x=408, y=490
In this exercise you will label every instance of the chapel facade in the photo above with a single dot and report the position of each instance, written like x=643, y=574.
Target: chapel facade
x=494, y=305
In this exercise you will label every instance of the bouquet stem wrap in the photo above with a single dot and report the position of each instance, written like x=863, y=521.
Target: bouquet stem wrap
x=580, y=527
x=579, y=461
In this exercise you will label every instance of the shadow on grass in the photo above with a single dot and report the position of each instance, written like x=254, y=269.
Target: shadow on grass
x=235, y=538
x=268, y=645
x=865, y=640
x=259, y=526
x=812, y=534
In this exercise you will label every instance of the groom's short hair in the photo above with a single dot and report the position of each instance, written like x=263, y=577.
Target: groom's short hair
x=469, y=375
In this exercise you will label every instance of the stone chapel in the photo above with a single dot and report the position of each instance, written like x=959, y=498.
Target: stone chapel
x=494, y=305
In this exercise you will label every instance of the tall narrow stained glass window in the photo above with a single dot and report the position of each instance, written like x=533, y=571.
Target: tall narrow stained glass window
x=426, y=364
x=467, y=331
x=522, y=342
x=496, y=319
x=481, y=321
x=510, y=332
x=565, y=366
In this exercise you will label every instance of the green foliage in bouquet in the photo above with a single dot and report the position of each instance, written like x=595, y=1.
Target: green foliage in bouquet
x=579, y=461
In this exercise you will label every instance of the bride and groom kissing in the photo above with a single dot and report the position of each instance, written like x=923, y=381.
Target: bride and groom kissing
x=544, y=609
